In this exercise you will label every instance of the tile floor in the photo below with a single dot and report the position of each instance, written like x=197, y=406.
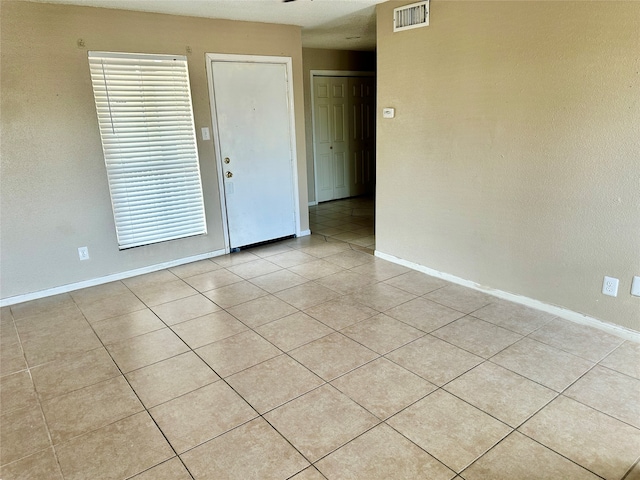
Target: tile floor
x=309, y=359
x=350, y=220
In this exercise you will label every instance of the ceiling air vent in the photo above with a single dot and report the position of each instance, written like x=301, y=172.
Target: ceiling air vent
x=411, y=16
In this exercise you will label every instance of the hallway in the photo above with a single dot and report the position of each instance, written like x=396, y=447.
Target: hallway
x=350, y=220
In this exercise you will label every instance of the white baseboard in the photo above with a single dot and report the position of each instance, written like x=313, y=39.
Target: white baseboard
x=304, y=233
x=106, y=279
x=561, y=312
x=313, y=204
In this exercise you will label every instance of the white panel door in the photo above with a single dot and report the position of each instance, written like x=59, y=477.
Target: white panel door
x=322, y=139
x=362, y=134
x=254, y=135
x=340, y=138
x=331, y=137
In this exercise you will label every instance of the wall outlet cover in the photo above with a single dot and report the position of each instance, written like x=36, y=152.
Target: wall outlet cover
x=610, y=286
x=635, y=286
x=83, y=253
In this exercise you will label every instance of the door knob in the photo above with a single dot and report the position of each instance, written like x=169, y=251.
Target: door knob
x=226, y=160
x=229, y=174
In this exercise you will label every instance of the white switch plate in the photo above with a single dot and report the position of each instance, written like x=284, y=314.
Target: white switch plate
x=83, y=253
x=205, y=133
x=610, y=286
x=635, y=286
x=388, y=112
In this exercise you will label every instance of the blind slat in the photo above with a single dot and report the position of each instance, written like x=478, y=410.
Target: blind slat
x=143, y=104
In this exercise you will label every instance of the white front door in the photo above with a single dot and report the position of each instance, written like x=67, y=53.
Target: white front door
x=254, y=134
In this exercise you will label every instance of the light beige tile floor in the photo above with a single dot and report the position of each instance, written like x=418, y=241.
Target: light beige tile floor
x=310, y=359
x=350, y=220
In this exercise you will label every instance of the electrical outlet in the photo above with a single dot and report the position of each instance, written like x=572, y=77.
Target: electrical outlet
x=635, y=287
x=610, y=286
x=83, y=253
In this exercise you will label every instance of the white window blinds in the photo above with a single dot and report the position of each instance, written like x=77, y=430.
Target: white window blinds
x=148, y=138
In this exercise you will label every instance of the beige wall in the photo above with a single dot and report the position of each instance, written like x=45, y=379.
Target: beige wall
x=519, y=165
x=54, y=193
x=321, y=59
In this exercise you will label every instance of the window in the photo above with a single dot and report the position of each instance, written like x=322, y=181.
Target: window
x=148, y=138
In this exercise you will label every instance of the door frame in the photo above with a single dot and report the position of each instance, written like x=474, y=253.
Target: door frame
x=325, y=73
x=233, y=58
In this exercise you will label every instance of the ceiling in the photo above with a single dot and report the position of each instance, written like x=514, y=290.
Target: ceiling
x=335, y=24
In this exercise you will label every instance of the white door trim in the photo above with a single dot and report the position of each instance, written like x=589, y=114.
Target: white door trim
x=324, y=73
x=288, y=63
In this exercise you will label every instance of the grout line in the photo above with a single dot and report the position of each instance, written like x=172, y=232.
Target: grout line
x=599, y=364
x=312, y=467
x=558, y=453
x=627, y=475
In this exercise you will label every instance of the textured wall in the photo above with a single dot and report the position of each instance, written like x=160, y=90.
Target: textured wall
x=514, y=157
x=54, y=192
x=320, y=59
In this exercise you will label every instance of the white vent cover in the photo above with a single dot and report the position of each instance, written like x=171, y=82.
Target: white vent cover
x=411, y=16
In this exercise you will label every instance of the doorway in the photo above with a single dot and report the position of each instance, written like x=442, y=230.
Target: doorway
x=254, y=138
x=343, y=116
